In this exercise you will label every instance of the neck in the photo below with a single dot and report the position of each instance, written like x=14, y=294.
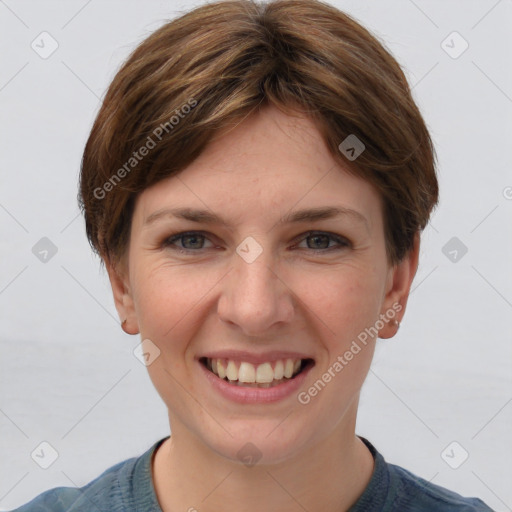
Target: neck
x=329, y=476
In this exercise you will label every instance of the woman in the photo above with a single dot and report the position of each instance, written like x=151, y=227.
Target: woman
x=255, y=183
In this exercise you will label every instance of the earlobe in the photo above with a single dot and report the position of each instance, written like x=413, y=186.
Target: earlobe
x=398, y=289
x=123, y=299
x=125, y=327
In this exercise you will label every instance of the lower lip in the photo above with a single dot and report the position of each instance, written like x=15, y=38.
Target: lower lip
x=244, y=395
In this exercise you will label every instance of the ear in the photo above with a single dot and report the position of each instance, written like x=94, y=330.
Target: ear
x=398, y=285
x=123, y=299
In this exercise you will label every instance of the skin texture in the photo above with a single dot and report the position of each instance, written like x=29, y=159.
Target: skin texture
x=297, y=295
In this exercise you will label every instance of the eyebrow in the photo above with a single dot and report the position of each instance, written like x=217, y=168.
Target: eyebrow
x=307, y=215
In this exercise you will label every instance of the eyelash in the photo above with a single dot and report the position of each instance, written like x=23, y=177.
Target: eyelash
x=169, y=241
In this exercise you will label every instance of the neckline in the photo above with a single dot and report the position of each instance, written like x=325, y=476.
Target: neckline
x=144, y=492
x=142, y=485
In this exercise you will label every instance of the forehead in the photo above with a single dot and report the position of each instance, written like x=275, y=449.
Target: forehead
x=265, y=166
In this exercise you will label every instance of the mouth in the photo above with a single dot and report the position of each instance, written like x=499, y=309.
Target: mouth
x=264, y=375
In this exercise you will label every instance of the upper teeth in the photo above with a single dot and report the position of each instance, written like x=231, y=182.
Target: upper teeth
x=247, y=372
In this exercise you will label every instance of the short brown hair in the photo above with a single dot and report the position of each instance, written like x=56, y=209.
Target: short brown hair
x=211, y=67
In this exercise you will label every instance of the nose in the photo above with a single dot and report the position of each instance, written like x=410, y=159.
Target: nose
x=255, y=298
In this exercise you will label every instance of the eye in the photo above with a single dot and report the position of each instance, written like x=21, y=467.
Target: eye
x=319, y=241
x=190, y=241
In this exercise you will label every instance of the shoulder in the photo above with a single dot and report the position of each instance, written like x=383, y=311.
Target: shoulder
x=124, y=486
x=102, y=493
x=393, y=488
x=412, y=492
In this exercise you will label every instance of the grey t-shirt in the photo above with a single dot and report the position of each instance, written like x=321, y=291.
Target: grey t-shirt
x=128, y=486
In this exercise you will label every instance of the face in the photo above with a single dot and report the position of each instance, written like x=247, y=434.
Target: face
x=260, y=284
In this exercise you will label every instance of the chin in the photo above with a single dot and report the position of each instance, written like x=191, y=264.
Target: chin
x=259, y=443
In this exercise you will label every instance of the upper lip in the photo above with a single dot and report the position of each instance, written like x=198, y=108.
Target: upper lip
x=251, y=357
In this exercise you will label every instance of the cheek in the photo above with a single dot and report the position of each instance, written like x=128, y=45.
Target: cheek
x=345, y=305
x=165, y=297
x=345, y=300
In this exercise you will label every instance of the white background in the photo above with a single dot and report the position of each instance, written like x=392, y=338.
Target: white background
x=68, y=374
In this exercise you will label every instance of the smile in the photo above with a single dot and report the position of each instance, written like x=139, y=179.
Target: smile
x=263, y=375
